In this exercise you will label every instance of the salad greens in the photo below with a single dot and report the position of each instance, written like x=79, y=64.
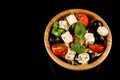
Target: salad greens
x=78, y=48
x=56, y=30
x=79, y=29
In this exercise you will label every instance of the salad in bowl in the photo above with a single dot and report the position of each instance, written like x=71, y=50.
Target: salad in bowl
x=77, y=39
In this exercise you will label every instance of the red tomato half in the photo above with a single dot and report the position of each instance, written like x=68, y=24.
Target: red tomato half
x=59, y=49
x=83, y=19
x=96, y=47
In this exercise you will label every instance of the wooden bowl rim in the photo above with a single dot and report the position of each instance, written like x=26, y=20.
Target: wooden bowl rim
x=67, y=65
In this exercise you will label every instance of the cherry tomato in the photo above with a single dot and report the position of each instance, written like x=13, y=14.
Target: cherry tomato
x=96, y=47
x=83, y=19
x=59, y=49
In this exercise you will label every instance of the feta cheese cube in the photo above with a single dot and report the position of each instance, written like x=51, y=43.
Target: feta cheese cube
x=83, y=58
x=67, y=37
x=102, y=31
x=89, y=38
x=70, y=55
x=71, y=19
x=63, y=24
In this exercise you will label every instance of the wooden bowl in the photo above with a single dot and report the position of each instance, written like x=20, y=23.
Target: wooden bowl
x=67, y=65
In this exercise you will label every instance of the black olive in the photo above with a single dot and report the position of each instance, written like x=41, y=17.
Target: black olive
x=54, y=39
x=99, y=39
x=93, y=25
x=96, y=23
x=92, y=57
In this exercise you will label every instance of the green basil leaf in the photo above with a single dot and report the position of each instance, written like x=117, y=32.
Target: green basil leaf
x=79, y=30
x=78, y=48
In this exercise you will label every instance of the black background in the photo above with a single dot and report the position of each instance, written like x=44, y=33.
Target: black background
x=41, y=66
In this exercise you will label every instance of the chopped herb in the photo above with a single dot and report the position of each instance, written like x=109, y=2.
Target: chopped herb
x=56, y=30
x=79, y=29
x=78, y=48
